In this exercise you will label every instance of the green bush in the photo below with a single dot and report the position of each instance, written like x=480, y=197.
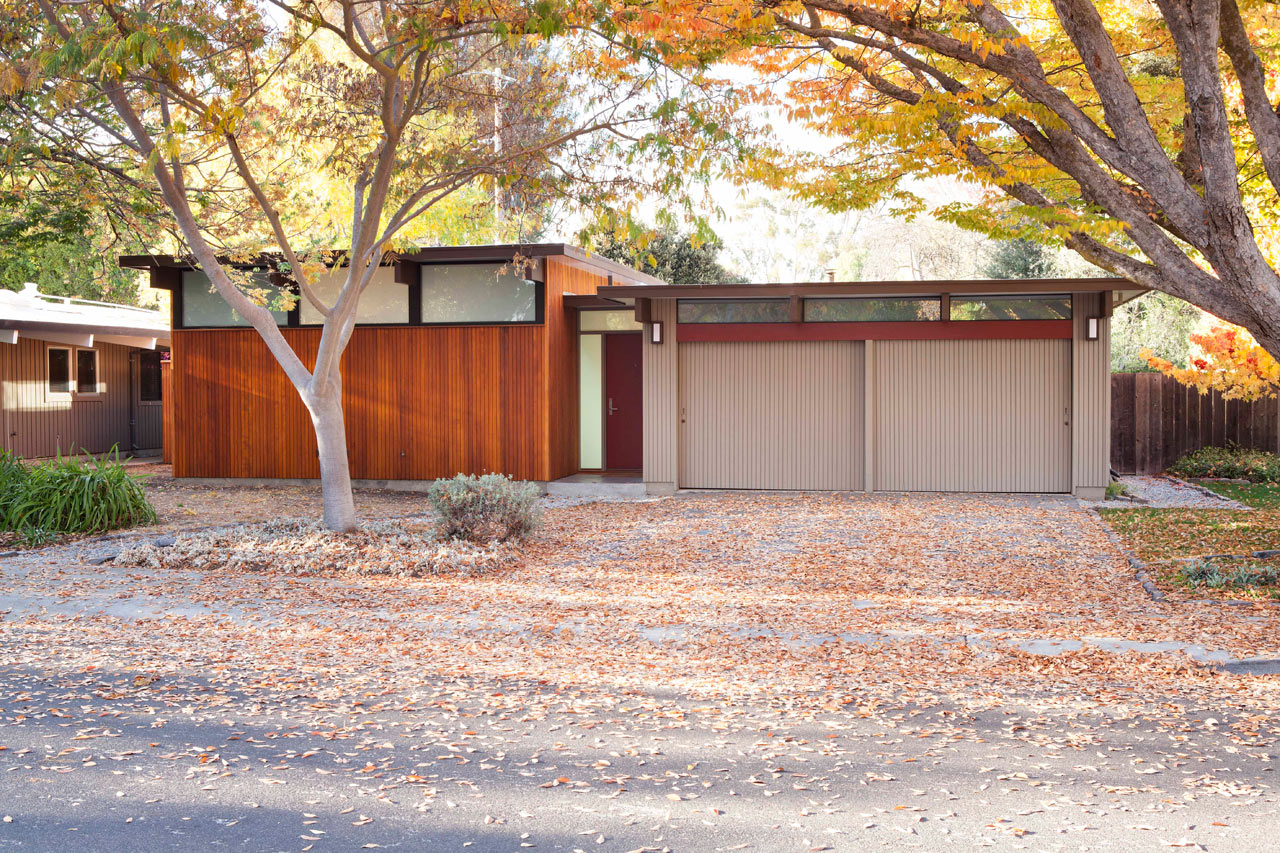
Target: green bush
x=75, y=495
x=1245, y=574
x=1232, y=463
x=488, y=508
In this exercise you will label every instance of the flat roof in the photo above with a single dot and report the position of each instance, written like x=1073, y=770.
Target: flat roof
x=498, y=253
x=876, y=288
x=30, y=310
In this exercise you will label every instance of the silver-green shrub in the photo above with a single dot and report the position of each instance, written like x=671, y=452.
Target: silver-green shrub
x=488, y=508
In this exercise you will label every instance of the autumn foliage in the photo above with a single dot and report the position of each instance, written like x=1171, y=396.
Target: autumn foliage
x=1225, y=359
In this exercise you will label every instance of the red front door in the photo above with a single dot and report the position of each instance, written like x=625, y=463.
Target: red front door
x=623, y=401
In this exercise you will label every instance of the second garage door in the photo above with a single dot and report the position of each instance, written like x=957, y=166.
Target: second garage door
x=771, y=415
x=972, y=416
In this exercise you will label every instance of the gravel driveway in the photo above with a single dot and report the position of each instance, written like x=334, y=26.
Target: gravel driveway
x=764, y=672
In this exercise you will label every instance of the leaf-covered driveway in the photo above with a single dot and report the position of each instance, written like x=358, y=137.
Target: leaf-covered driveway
x=727, y=672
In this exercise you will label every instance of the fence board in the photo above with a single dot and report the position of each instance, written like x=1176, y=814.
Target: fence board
x=1155, y=420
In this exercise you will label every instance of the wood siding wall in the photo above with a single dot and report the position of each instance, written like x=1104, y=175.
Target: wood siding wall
x=972, y=416
x=1155, y=420
x=561, y=378
x=1090, y=398
x=661, y=407
x=421, y=402
x=765, y=415
x=37, y=426
x=166, y=429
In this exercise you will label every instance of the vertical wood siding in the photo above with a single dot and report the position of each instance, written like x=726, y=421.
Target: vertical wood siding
x=561, y=376
x=420, y=403
x=661, y=400
x=166, y=426
x=1090, y=396
x=778, y=415
x=972, y=415
x=36, y=426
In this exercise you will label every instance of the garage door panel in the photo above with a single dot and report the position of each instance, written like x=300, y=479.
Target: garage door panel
x=771, y=415
x=972, y=415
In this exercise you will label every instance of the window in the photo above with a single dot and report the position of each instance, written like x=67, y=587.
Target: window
x=733, y=311
x=204, y=307
x=86, y=371
x=149, y=377
x=608, y=321
x=872, y=309
x=1056, y=306
x=383, y=301
x=478, y=293
x=59, y=370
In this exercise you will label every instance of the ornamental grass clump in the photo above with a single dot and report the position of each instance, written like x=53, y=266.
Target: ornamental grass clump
x=1229, y=463
x=488, y=508
x=74, y=495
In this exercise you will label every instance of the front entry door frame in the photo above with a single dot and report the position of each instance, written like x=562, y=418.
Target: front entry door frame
x=604, y=396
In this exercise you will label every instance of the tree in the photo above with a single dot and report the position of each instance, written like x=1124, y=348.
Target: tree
x=1156, y=322
x=673, y=256
x=1143, y=136
x=237, y=114
x=1020, y=258
x=1229, y=361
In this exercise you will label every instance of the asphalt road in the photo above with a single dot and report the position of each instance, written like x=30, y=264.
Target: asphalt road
x=97, y=763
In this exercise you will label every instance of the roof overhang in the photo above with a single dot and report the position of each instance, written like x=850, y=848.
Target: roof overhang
x=879, y=288
x=588, y=301
x=536, y=253
x=82, y=334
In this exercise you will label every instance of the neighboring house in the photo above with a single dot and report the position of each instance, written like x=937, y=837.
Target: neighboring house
x=79, y=376
x=463, y=361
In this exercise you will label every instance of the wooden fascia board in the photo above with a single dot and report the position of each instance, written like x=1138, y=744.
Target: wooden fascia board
x=868, y=288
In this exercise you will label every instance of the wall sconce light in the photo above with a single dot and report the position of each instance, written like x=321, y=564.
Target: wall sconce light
x=1091, y=329
x=655, y=332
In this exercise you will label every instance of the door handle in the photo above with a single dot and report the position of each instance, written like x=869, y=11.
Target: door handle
x=611, y=408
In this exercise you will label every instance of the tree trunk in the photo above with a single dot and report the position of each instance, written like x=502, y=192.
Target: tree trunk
x=335, y=472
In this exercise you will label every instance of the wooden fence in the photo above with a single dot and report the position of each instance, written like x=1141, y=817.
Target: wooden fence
x=1155, y=420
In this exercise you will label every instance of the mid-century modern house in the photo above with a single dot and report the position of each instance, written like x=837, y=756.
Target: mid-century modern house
x=463, y=361
x=79, y=376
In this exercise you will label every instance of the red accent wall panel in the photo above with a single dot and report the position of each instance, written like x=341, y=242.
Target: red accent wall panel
x=889, y=331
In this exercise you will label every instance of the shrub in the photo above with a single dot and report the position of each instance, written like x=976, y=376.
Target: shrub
x=1246, y=574
x=485, y=509
x=74, y=495
x=1233, y=463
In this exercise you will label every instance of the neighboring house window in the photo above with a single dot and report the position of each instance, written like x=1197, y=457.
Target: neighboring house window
x=1055, y=306
x=87, y=371
x=478, y=293
x=732, y=311
x=384, y=301
x=59, y=361
x=202, y=307
x=872, y=309
x=149, y=377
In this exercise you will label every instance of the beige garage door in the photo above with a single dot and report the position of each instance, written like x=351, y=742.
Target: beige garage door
x=988, y=416
x=757, y=415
